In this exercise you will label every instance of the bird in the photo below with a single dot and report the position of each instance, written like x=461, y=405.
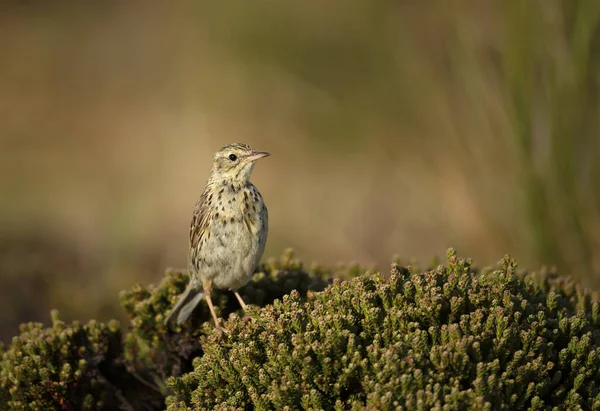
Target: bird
x=228, y=232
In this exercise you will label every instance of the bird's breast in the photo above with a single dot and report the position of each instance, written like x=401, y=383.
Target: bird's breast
x=239, y=215
x=238, y=231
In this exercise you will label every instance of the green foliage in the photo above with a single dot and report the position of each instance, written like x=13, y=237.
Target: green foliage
x=157, y=352
x=451, y=337
x=448, y=338
x=67, y=367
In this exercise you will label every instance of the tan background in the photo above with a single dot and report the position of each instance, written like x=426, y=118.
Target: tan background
x=396, y=128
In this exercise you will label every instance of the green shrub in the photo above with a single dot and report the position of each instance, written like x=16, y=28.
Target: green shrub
x=67, y=367
x=157, y=352
x=449, y=338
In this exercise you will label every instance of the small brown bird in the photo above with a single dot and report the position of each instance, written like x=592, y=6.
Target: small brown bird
x=228, y=231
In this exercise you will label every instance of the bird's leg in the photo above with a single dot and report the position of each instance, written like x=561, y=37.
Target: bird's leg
x=242, y=303
x=207, y=285
x=244, y=307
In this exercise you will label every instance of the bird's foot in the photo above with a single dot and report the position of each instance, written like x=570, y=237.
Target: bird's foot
x=246, y=318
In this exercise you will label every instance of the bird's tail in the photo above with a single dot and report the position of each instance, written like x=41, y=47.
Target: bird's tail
x=186, y=304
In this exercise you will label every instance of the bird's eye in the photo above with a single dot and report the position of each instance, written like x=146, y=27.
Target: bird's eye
x=232, y=157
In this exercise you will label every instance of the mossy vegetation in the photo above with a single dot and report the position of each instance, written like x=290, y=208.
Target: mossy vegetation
x=69, y=367
x=450, y=337
x=165, y=351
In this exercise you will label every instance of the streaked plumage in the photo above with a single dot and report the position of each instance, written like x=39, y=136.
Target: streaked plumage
x=228, y=231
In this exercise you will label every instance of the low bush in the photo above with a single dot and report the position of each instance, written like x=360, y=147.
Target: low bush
x=450, y=337
x=160, y=351
x=69, y=367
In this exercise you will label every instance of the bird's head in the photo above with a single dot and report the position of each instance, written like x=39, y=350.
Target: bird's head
x=235, y=162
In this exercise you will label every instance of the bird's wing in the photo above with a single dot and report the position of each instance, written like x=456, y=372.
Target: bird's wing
x=262, y=236
x=199, y=225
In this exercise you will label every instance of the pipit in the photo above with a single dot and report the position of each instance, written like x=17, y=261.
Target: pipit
x=228, y=231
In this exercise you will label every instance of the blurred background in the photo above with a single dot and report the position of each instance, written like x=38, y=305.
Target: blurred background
x=396, y=128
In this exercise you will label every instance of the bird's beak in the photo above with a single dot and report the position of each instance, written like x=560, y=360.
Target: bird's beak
x=257, y=154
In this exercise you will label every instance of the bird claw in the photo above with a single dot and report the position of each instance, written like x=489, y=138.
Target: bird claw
x=221, y=330
x=247, y=318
